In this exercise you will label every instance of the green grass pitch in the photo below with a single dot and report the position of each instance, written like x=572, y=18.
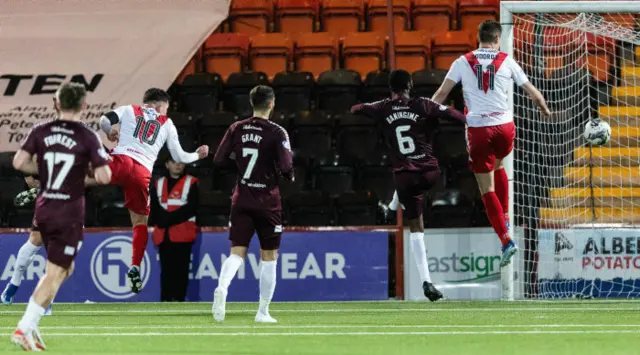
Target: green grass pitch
x=369, y=328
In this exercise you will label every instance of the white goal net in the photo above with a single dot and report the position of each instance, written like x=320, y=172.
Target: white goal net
x=578, y=205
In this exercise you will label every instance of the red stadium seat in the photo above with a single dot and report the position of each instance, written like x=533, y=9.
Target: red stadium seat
x=560, y=40
x=316, y=52
x=412, y=50
x=600, y=66
x=270, y=53
x=377, y=15
x=363, y=51
x=624, y=20
x=226, y=53
x=448, y=46
x=342, y=16
x=296, y=15
x=192, y=67
x=250, y=16
x=433, y=16
x=474, y=12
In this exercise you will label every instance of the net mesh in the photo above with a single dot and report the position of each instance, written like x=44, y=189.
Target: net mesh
x=578, y=204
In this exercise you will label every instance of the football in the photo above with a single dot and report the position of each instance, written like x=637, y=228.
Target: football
x=597, y=132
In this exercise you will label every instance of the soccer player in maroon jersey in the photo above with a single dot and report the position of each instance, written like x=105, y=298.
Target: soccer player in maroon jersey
x=65, y=149
x=262, y=153
x=408, y=124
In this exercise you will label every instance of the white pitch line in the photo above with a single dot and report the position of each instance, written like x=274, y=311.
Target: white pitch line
x=328, y=326
x=524, y=332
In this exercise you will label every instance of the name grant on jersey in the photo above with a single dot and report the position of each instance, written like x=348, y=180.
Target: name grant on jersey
x=251, y=137
x=60, y=139
x=404, y=115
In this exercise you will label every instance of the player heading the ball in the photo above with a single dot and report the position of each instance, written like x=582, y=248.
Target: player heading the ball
x=486, y=75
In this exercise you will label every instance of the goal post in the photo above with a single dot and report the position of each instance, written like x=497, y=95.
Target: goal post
x=574, y=209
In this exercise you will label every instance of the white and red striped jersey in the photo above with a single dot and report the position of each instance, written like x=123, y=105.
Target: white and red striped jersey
x=486, y=76
x=143, y=132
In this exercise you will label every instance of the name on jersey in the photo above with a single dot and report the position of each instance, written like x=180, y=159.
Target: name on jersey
x=486, y=56
x=404, y=115
x=251, y=137
x=60, y=139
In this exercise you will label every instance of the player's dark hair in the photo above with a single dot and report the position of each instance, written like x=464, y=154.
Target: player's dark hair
x=155, y=95
x=71, y=96
x=261, y=96
x=399, y=81
x=489, y=31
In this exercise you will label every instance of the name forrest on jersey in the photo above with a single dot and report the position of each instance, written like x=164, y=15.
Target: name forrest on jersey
x=403, y=115
x=60, y=139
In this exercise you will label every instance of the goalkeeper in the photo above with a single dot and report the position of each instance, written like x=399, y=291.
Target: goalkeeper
x=486, y=75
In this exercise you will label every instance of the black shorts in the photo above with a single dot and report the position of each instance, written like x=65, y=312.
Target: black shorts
x=244, y=222
x=411, y=186
x=62, y=241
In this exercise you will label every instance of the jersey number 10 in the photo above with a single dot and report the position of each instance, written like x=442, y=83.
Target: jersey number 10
x=146, y=131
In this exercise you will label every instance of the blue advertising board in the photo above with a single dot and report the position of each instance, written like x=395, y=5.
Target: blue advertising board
x=313, y=266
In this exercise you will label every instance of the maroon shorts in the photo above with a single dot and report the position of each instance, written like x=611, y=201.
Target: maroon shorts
x=485, y=144
x=244, y=222
x=134, y=179
x=34, y=226
x=411, y=186
x=61, y=241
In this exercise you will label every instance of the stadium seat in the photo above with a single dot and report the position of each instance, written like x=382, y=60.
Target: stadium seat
x=377, y=180
x=376, y=86
x=270, y=53
x=235, y=95
x=433, y=16
x=363, y=51
x=357, y=137
x=450, y=143
x=6, y=165
x=214, y=208
x=338, y=90
x=473, y=12
x=552, y=63
x=377, y=15
x=190, y=68
x=448, y=208
x=224, y=179
x=356, y=209
x=106, y=193
x=311, y=135
x=226, y=53
x=412, y=50
x=625, y=20
x=427, y=81
x=342, y=16
x=212, y=128
x=316, y=52
x=310, y=208
x=199, y=93
x=284, y=118
x=184, y=122
x=600, y=66
x=114, y=215
x=293, y=90
x=448, y=46
x=294, y=16
x=11, y=186
x=20, y=217
x=250, y=17
x=289, y=188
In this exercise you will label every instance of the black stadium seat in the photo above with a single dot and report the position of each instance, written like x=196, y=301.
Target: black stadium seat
x=11, y=186
x=293, y=90
x=338, y=90
x=376, y=86
x=236, y=92
x=357, y=209
x=214, y=208
x=212, y=128
x=199, y=93
x=357, y=137
x=310, y=208
x=311, y=135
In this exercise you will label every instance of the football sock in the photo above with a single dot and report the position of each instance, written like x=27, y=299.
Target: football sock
x=393, y=205
x=267, y=284
x=25, y=256
x=31, y=316
x=420, y=255
x=139, y=244
x=496, y=216
x=502, y=188
x=228, y=271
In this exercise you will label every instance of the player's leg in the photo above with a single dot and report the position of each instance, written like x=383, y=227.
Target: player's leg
x=501, y=185
x=269, y=228
x=139, y=245
x=136, y=194
x=25, y=256
x=241, y=229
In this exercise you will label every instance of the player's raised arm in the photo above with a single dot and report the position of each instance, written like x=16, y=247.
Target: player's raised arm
x=109, y=119
x=177, y=153
x=454, y=76
x=285, y=157
x=365, y=109
x=224, y=153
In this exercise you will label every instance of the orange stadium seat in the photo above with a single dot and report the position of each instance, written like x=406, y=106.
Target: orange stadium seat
x=448, y=46
x=250, y=16
x=190, y=68
x=412, y=49
x=433, y=16
x=377, y=15
x=552, y=63
x=270, y=53
x=363, y=51
x=473, y=12
x=316, y=52
x=296, y=15
x=624, y=20
x=226, y=53
x=599, y=65
x=342, y=16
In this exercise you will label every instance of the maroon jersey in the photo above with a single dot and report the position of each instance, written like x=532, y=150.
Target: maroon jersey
x=262, y=153
x=64, y=149
x=408, y=126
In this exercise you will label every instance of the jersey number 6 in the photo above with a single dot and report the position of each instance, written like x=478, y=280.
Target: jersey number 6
x=405, y=143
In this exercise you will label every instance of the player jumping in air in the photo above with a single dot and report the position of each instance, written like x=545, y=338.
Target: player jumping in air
x=65, y=149
x=143, y=131
x=408, y=124
x=486, y=75
x=262, y=153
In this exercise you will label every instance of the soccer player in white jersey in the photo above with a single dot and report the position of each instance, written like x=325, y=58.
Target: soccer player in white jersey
x=486, y=75
x=143, y=131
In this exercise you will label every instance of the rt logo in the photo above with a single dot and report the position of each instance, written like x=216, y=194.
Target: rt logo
x=562, y=243
x=109, y=266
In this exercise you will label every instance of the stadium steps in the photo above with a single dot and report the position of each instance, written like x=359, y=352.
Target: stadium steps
x=626, y=95
x=630, y=76
x=603, y=176
x=638, y=55
x=602, y=197
x=605, y=156
x=622, y=116
x=557, y=216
